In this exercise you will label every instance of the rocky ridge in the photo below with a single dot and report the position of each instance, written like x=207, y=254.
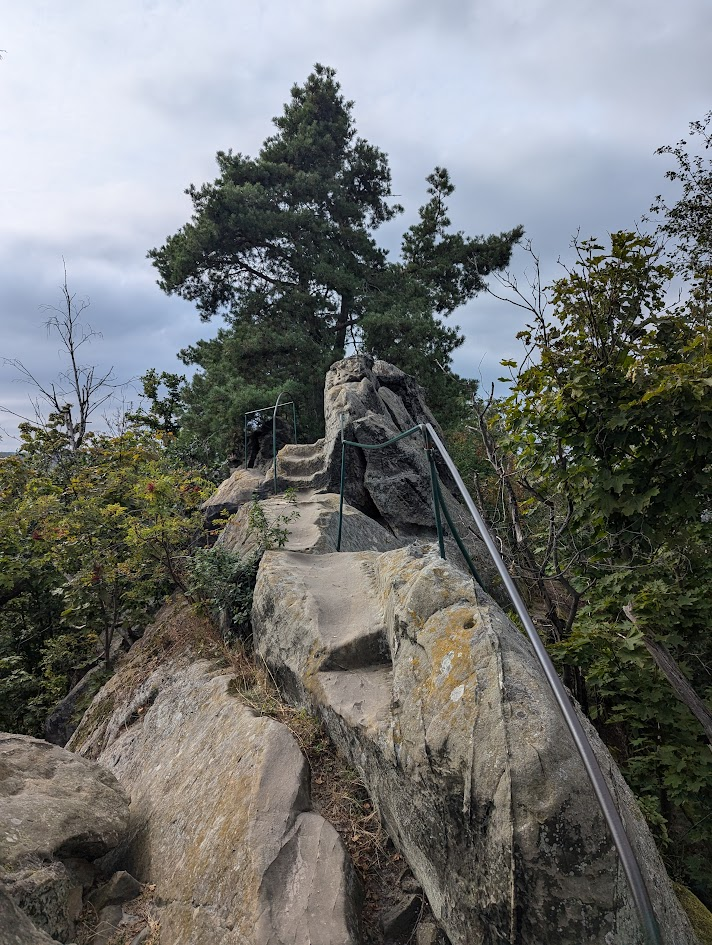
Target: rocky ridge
x=424, y=685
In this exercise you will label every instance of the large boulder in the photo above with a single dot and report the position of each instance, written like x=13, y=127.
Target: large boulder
x=58, y=812
x=439, y=702
x=374, y=401
x=312, y=522
x=237, y=490
x=220, y=817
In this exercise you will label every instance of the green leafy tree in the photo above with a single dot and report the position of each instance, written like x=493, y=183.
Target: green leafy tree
x=90, y=544
x=688, y=222
x=283, y=246
x=609, y=445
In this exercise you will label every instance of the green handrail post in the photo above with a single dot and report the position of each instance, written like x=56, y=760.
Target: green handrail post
x=273, y=408
x=604, y=797
x=456, y=535
x=341, y=486
x=631, y=868
x=274, y=441
x=436, y=492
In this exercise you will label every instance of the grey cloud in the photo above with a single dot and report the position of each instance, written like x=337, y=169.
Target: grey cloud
x=546, y=114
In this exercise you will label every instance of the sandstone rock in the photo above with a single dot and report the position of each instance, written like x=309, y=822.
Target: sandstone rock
x=62, y=721
x=16, y=928
x=122, y=887
x=47, y=895
x=234, y=492
x=378, y=401
x=440, y=704
x=81, y=871
x=108, y=925
x=315, y=530
x=220, y=819
x=55, y=804
x=392, y=486
x=399, y=921
x=429, y=933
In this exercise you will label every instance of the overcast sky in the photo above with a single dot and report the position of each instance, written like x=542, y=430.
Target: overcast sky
x=546, y=112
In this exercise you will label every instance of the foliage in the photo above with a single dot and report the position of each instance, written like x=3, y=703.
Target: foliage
x=222, y=581
x=283, y=247
x=609, y=445
x=163, y=413
x=688, y=222
x=91, y=540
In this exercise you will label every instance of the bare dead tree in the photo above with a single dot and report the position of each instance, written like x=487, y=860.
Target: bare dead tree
x=68, y=403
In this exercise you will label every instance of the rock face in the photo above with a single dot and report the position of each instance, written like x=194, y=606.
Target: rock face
x=220, y=817
x=440, y=704
x=392, y=486
x=16, y=928
x=62, y=721
x=57, y=812
x=316, y=528
x=235, y=492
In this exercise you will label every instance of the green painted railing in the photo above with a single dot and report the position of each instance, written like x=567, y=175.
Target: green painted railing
x=438, y=501
x=273, y=408
x=603, y=794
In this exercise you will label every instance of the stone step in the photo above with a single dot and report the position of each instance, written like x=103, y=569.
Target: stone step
x=439, y=703
x=301, y=459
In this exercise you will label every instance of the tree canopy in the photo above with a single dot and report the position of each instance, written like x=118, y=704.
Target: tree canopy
x=603, y=455
x=283, y=247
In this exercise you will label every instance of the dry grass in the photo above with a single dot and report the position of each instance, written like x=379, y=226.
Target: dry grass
x=337, y=791
x=143, y=910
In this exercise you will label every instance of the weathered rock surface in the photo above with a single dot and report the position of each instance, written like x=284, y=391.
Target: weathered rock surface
x=392, y=486
x=234, y=492
x=62, y=721
x=440, y=704
x=220, y=817
x=378, y=401
x=55, y=804
x=56, y=812
x=316, y=528
x=16, y=928
x=121, y=887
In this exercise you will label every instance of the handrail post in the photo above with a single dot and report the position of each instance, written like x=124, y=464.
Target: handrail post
x=631, y=868
x=274, y=442
x=341, y=487
x=434, y=488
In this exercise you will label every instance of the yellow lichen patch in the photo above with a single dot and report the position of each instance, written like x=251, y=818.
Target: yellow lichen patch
x=445, y=683
x=699, y=915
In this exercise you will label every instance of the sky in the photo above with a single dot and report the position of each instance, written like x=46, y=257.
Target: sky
x=547, y=113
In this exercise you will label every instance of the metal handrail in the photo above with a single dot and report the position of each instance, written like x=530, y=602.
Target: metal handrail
x=603, y=794
x=273, y=408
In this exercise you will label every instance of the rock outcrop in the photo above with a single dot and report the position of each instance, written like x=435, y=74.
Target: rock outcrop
x=58, y=813
x=424, y=685
x=220, y=817
x=375, y=401
x=16, y=928
x=439, y=702
x=313, y=526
